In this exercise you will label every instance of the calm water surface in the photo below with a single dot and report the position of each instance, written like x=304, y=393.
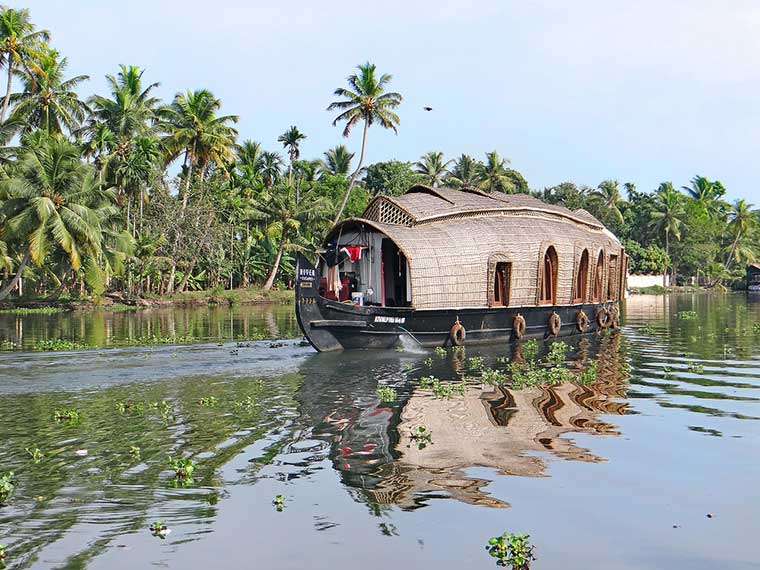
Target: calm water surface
x=619, y=474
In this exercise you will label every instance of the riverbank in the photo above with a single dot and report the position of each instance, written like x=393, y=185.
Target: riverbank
x=117, y=302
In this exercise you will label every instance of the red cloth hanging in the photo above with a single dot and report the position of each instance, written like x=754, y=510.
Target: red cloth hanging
x=354, y=252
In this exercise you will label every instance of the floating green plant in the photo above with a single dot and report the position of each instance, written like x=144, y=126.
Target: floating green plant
x=530, y=350
x=428, y=362
x=647, y=329
x=427, y=381
x=279, y=503
x=513, y=550
x=7, y=487
x=208, y=401
x=408, y=367
x=32, y=311
x=8, y=345
x=756, y=328
x=442, y=391
x=2, y=554
x=36, y=454
x=69, y=416
x=58, y=344
x=159, y=529
x=493, y=377
x=135, y=408
x=475, y=363
x=246, y=403
x=422, y=437
x=183, y=468
x=687, y=315
x=440, y=351
x=134, y=451
x=695, y=368
x=502, y=359
x=590, y=373
x=386, y=394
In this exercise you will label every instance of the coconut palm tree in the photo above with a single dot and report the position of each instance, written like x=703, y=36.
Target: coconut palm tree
x=291, y=140
x=707, y=195
x=271, y=168
x=492, y=175
x=743, y=221
x=193, y=129
x=366, y=100
x=20, y=43
x=337, y=161
x=53, y=202
x=607, y=195
x=286, y=216
x=48, y=101
x=432, y=167
x=464, y=174
x=667, y=215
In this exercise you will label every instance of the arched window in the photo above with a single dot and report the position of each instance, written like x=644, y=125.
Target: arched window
x=548, y=282
x=599, y=277
x=581, y=279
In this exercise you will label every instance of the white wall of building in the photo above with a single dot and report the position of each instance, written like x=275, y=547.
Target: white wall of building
x=640, y=281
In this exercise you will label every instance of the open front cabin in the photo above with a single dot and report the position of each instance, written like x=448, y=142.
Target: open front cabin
x=458, y=266
x=753, y=277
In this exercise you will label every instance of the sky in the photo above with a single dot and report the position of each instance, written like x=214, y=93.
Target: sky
x=645, y=91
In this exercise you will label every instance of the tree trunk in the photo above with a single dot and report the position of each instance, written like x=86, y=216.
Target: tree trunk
x=7, y=99
x=667, y=253
x=273, y=272
x=10, y=286
x=186, y=277
x=186, y=193
x=170, y=281
x=354, y=176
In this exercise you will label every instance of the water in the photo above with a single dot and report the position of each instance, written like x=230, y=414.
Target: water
x=619, y=474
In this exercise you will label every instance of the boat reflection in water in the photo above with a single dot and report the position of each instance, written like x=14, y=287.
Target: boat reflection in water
x=499, y=428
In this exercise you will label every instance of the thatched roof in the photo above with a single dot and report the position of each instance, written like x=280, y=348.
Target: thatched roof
x=423, y=204
x=451, y=238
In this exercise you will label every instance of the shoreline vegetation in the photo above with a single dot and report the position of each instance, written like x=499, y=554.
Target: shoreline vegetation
x=93, y=214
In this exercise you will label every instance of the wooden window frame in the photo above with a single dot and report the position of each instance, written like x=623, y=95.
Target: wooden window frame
x=613, y=278
x=597, y=293
x=554, y=268
x=501, y=280
x=580, y=294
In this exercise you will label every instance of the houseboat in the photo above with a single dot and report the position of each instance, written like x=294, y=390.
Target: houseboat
x=449, y=267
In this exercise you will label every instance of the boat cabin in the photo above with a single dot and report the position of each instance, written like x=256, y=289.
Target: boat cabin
x=434, y=248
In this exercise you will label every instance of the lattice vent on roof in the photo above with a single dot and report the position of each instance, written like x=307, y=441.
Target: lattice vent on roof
x=386, y=212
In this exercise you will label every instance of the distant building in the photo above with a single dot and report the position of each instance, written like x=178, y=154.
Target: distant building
x=753, y=277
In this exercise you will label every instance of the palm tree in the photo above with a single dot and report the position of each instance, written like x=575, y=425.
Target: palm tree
x=666, y=218
x=367, y=101
x=493, y=174
x=286, y=215
x=271, y=168
x=630, y=189
x=53, y=202
x=248, y=155
x=743, y=221
x=19, y=44
x=337, y=161
x=464, y=174
x=291, y=140
x=707, y=195
x=607, y=195
x=432, y=167
x=193, y=129
x=48, y=101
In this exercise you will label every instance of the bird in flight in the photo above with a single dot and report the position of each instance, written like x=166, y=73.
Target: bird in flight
x=428, y=108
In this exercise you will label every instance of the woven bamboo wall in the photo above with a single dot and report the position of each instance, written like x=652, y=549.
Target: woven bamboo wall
x=449, y=237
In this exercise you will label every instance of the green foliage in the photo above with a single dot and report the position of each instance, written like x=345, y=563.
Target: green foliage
x=650, y=260
x=279, y=503
x=59, y=344
x=687, y=315
x=392, y=178
x=159, y=529
x=386, y=394
x=7, y=487
x=36, y=454
x=513, y=550
x=422, y=437
x=69, y=416
x=695, y=368
x=32, y=311
x=590, y=373
x=647, y=329
x=3, y=547
x=475, y=363
x=208, y=401
x=530, y=350
x=440, y=351
x=756, y=328
x=493, y=377
x=183, y=468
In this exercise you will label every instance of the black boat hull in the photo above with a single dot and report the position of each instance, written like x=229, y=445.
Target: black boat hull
x=331, y=325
